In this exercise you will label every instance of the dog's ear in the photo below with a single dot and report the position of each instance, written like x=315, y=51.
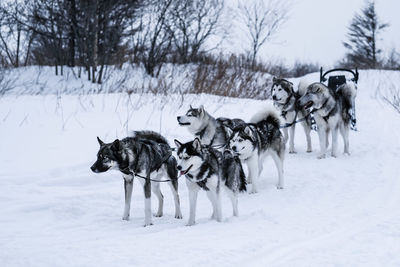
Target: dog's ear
x=274, y=79
x=248, y=130
x=315, y=88
x=116, y=145
x=101, y=143
x=201, y=110
x=177, y=143
x=228, y=131
x=197, y=145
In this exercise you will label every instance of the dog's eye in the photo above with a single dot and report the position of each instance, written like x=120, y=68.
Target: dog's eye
x=240, y=140
x=280, y=89
x=186, y=158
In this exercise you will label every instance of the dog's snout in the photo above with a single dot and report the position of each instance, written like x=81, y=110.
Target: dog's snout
x=234, y=148
x=178, y=118
x=93, y=168
x=179, y=167
x=274, y=97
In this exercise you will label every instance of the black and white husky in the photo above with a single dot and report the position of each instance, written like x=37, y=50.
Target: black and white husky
x=285, y=99
x=148, y=155
x=254, y=141
x=332, y=112
x=208, y=169
x=209, y=130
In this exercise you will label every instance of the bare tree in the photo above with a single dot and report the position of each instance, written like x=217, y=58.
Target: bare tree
x=15, y=41
x=262, y=20
x=193, y=22
x=153, y=38
x=363, y=38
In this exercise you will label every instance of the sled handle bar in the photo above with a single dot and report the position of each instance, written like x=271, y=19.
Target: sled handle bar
x=323, y=79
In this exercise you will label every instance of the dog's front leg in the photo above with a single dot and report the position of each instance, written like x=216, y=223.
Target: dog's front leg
x=215, y=200
x=252, y=164
x=291, y=139
x=322, y=142
x=285, y=135
x=147, y=201
x=128, y=187
x=307, y=132
x=192, y=201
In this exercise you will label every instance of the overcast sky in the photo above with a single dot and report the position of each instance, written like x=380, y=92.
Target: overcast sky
x=316, y=29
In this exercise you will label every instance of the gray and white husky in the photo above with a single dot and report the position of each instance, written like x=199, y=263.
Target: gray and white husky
x=148, y=155
x=208, y=169
x=332, y=112
x=209, y=130
x=285, y=99
x=254, y=141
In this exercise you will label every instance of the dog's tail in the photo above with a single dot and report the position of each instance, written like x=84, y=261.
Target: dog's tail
x=348, y=91
x=232, y=172
x=149, y=136
x=269, y=114
x=172, y=171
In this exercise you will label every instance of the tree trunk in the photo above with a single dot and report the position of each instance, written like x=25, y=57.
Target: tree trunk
x=18, y=45
x=28, y=51
x=95, y=39
x=72, y=37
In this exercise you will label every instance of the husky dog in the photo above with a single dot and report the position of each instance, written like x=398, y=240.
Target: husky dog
x=285, y=99
x=206, y=168
x=148, y=155
x=254, y=141
x=332, y=112
x=209, y=130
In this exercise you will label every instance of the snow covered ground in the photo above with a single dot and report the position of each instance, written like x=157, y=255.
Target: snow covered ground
x=56, y=212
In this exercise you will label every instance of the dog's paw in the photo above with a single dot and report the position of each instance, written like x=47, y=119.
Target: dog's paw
x=321, y=156
x=334, y=155
x=292, y=151
x=190, y=223
x=347, y=153
x=147, y=224
x=309, y=150
x=253, y=191
x=158, y=214
x=178, y=216
x=280, y=187
x=125, y=218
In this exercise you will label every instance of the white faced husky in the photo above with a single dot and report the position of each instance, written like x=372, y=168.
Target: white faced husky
x=253, y=142
x=206, y=168
x=285, y=99
x=332, y=113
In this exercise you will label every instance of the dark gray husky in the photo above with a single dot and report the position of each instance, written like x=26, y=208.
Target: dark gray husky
x=208, y=169
x=147, y=155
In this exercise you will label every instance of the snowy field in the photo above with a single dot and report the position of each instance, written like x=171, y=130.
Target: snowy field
x=56, y=212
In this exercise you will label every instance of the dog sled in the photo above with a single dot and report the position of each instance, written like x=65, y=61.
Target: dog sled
x=335, y=81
